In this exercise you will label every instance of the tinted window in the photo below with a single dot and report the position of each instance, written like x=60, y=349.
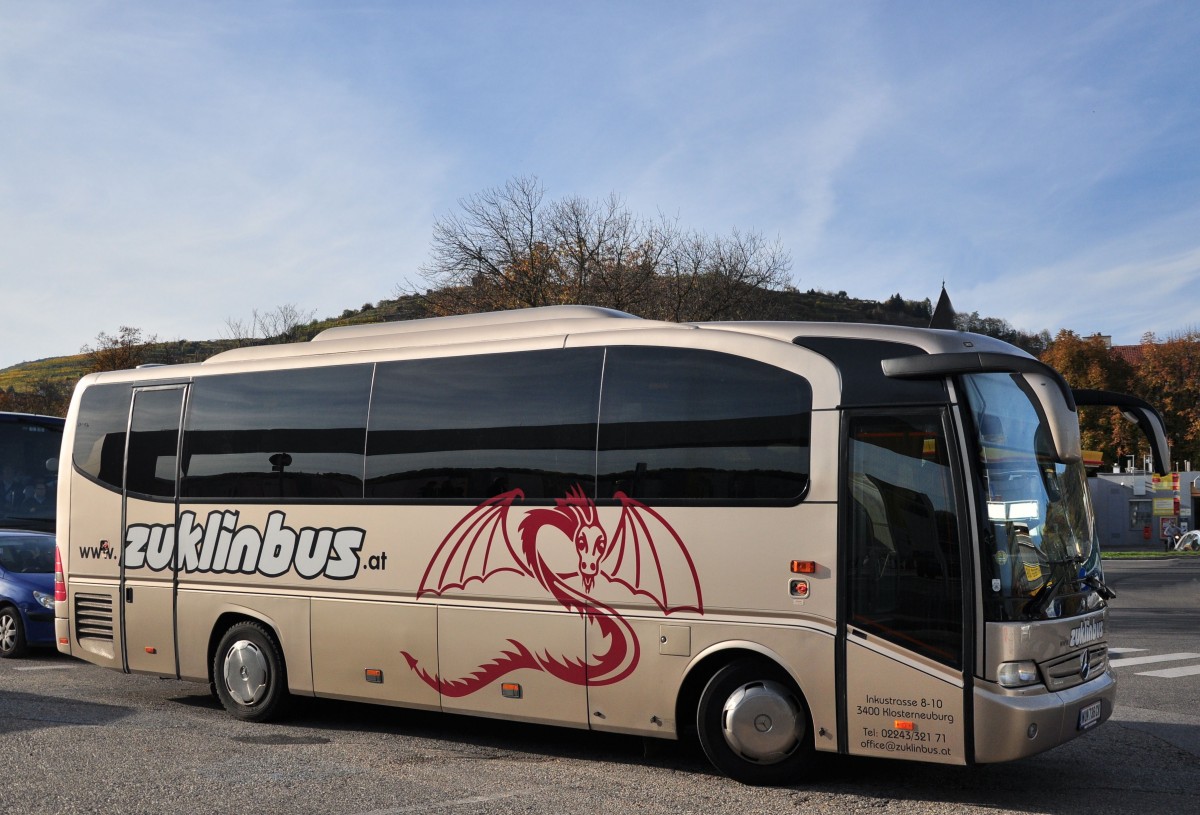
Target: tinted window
x=277, y=434
x=29, y=450
x=99, y=450
x=694, y=425
x=31, y=554
x=474, y=427
x=153, y=442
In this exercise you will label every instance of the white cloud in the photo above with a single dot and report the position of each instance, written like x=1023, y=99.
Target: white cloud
x=1125, y=286
x=198, y=193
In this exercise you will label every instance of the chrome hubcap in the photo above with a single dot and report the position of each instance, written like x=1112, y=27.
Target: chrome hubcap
x=761, y=722
x=246, y=672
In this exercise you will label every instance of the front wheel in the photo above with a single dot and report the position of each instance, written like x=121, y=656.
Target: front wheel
x=249, y=673
x=753, y=724
x=12, y=633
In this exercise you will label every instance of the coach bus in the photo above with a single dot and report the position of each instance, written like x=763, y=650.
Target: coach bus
x=29, y=448
x=780, y=538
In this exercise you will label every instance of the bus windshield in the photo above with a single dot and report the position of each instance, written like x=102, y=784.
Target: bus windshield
x=1039, y=540
x=29, y=448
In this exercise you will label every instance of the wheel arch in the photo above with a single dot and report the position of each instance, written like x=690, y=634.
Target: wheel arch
x=711, y=660
x=227, y=620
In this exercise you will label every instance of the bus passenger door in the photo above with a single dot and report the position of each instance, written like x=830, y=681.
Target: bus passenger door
x=149, y=561
x=902, y=588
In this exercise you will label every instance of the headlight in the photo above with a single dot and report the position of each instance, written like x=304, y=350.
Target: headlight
x=44, y=600
x=1018, y=674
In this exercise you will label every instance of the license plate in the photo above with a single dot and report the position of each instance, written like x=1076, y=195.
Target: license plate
x=1089, y=716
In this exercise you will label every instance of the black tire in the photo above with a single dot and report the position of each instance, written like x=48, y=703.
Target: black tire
x=249, y=674
x=12, y=634
x=753, y=724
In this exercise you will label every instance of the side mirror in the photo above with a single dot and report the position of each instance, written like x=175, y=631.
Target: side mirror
x=1050, y=389
x=1060, y=416
x=1148, y=420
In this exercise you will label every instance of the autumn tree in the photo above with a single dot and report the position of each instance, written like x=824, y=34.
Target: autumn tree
x=508, y=247
x=115, y=352
x=1090, y=363
x=48, y=397
x=1168, y=377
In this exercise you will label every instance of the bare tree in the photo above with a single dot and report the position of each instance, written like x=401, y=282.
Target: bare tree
x=509, y=248
x=238, y=332
x=609, y=258
x=280, y=324
x=283, y=323
x=495, y=254
x=739, y=269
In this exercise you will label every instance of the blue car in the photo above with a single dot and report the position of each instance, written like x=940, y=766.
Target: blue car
x=26, y=591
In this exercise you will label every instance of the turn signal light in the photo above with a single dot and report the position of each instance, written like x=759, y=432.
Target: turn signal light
x=804, y=567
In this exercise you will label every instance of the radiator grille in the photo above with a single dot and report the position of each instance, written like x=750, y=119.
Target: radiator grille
x=1077, y=668
x=93, y=617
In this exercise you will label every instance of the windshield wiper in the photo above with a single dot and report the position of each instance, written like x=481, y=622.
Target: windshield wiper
x=1038, y=604
x=1095, y=582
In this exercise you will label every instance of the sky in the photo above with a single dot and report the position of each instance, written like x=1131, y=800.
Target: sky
x=177, y=166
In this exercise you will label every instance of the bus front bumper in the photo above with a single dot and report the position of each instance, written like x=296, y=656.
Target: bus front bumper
x=1011, y=725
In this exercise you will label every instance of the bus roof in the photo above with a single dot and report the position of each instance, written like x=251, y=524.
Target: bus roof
x=929, y=340
x=552, y=321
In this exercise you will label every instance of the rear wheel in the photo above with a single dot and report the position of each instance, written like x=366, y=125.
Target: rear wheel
x=753, y=724
x=12, y=633
x=249, y=673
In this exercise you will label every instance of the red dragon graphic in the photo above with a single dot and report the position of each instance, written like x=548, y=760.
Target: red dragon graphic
x=644, y=555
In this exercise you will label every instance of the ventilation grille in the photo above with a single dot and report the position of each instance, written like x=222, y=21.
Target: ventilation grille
x=93, y=617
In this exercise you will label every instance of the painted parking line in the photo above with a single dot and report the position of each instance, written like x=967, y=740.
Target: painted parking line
x=471, y=802
x=44, y=668
x=1173, y=673
x=1121, y=663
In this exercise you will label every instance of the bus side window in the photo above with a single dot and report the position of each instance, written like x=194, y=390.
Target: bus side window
x=474, y=427
x=99, y=449
x=700, y=426
x=288, y=434
x=153, y=441
x=905, y=582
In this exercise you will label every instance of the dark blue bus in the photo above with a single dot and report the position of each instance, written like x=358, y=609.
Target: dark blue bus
x=29, y=447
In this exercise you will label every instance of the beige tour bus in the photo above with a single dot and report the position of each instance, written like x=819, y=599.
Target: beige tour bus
x=779, y=538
